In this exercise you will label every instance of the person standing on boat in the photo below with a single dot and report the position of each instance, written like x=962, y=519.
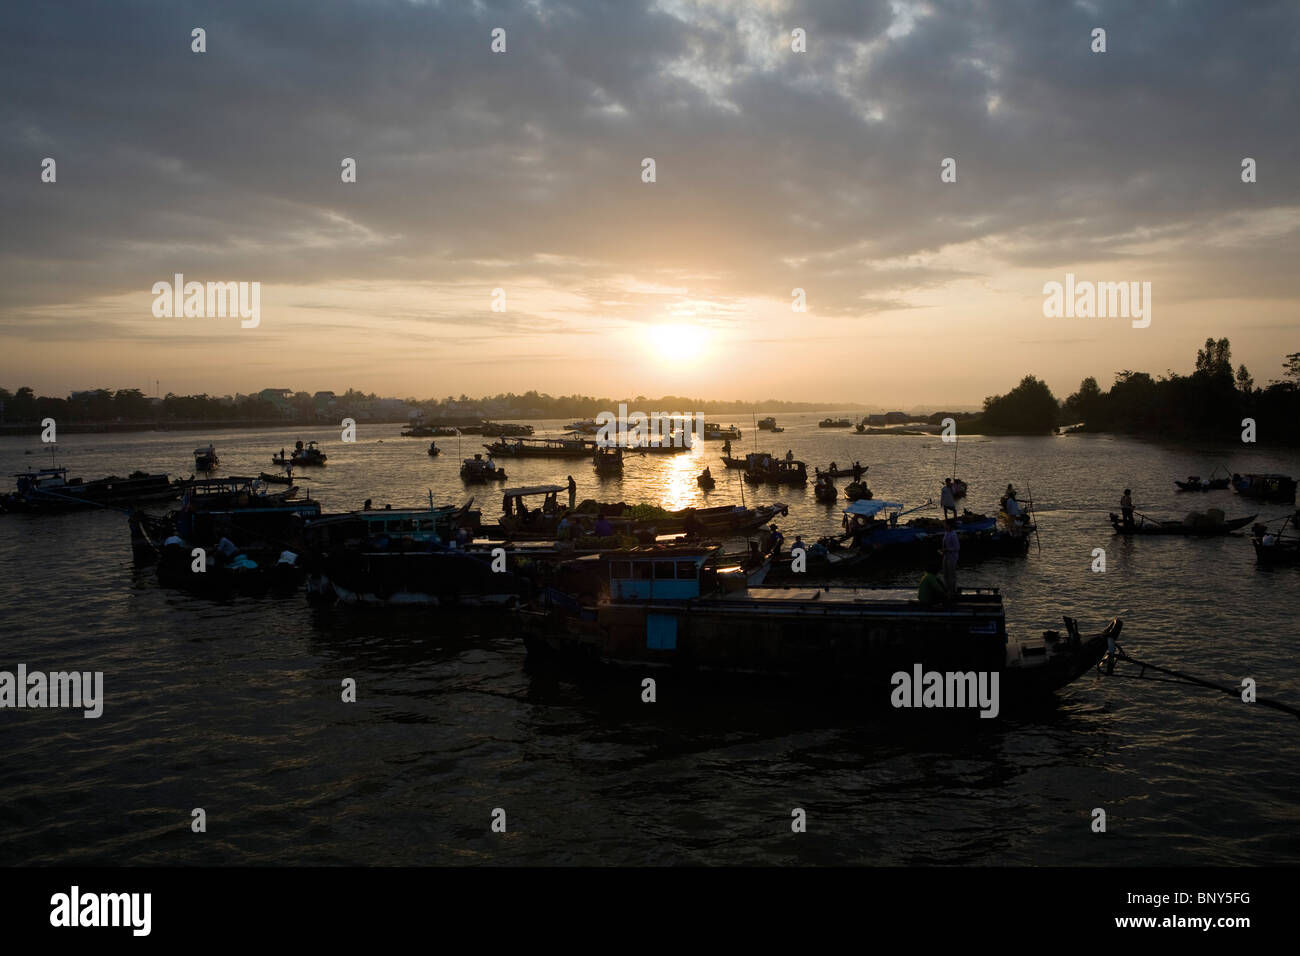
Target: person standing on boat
x=1126, y=507
x=951, y=549
x=1014, y=513
x=562, y=531
x=777, y=539
x=947, y=499
x=603, y=528
x=789, y=454
x=857, y=471
x=573, y=493
x=726, y=447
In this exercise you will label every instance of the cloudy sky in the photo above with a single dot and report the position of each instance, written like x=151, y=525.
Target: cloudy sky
x=522, y=171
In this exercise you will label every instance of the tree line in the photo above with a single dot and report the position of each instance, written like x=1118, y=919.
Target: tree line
x=1211, y=402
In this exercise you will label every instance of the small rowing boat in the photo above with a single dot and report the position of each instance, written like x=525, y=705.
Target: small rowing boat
x=1194, y=525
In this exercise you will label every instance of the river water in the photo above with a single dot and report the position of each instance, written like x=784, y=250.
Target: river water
x=235, y=706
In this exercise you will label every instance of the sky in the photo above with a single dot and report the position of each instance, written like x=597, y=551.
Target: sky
x=522, y=171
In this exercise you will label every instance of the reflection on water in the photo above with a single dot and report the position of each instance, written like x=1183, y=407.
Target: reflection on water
x=235, y=705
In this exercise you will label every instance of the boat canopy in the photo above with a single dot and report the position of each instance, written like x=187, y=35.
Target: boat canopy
x=869, y=508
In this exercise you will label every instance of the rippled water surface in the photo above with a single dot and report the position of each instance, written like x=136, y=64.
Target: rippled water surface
x=234, y=706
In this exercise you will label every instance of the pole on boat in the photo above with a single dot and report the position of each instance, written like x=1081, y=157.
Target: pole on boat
x=1123, y=655
x=1033, y=516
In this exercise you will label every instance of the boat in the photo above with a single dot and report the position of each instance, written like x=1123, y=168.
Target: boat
x=715, y=432
x=471, y=429
x=669, y=606
x=543, y=448
x=1197, y=483
x=475, y=470
x=855, y=472
x=414, y=579
x=308, y=456
x=780, y=471
x=1265, y=487
x=519, y=521
x=608, y=461
x=503, y=430
x=767, y=424
x=857, y=491
x=234, y=491
x=443, y=431
x=246, y=572
x=835, y=423
x=706, y=481
x=1276, y=548
x=271, y=479
x=434, y=450
x=583, y=426
x=418, y=428
x=51, y=490
x=730, y=461
x=825, y=491
x=1194, y=483
x=262, y=526
x=390, y=528
x=1196, y=525
x=205, y=459
x=873, y=526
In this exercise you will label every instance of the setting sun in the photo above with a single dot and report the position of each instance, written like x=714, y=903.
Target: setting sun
x=687, y=343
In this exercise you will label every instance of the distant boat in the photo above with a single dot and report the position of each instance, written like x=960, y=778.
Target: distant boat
x=205, y=459
x=715, y=432
x=767, y=424
x=1266, y=487
x=302, y=456
x=1207, y=527
x=475, y=470
x=835, y=423
x=608, y=461
x=543, y=448
x=434, y=450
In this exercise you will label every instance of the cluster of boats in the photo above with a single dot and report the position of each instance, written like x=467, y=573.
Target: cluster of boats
x=633, y=584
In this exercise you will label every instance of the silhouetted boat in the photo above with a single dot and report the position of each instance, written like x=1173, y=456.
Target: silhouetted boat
x=51, y=490
x=668, y=606
x=1266, y=487
x=1197, y=529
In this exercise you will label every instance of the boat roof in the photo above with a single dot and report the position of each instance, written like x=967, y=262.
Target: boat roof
x=869, y=507
x=535, y=490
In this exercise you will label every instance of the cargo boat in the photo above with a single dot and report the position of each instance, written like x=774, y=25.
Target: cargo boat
x=669, y=607
x=51, y=490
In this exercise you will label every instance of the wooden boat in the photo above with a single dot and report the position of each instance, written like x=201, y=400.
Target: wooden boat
x=837, y=472
x=669, y=607
x=1275, y=549
x=1198, y=529
x=1197, y=483
x=271, y=479
x=543, y=448
x=234, y=491
x=262, y=526
x=308, y=456
x=418, y=429
x=743, y=463
x=1265, y=487
x=414, y=579
x=434, y=450
x=389, y=528
x=47, y=490
x=608, y=461
x=475, y=470
x=706, y=482
x=205, y=459
x=835, y=423
x=857, y=491
x=825, y=491
x=767, y=424
x=1202, y=484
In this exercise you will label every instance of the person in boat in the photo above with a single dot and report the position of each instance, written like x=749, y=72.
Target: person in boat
x=857, y=471
x=932, y=590
x=706, y=474
x=694, y=527
x=491, y=465
x=367, y=505
x=789, y=454
x=562, y=530
x=947, y=499
x=798, y=543
x=951, y=550
x=227, y=549
x=573, y=493
x=777, y=538
x=726, y=447
x=603, y=528
x=1126, y=507
x=833, y=469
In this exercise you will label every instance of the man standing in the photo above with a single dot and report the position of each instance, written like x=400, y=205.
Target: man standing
x=1126, y=506
x=573, y=493
x=947, y=499
x=951, y=548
